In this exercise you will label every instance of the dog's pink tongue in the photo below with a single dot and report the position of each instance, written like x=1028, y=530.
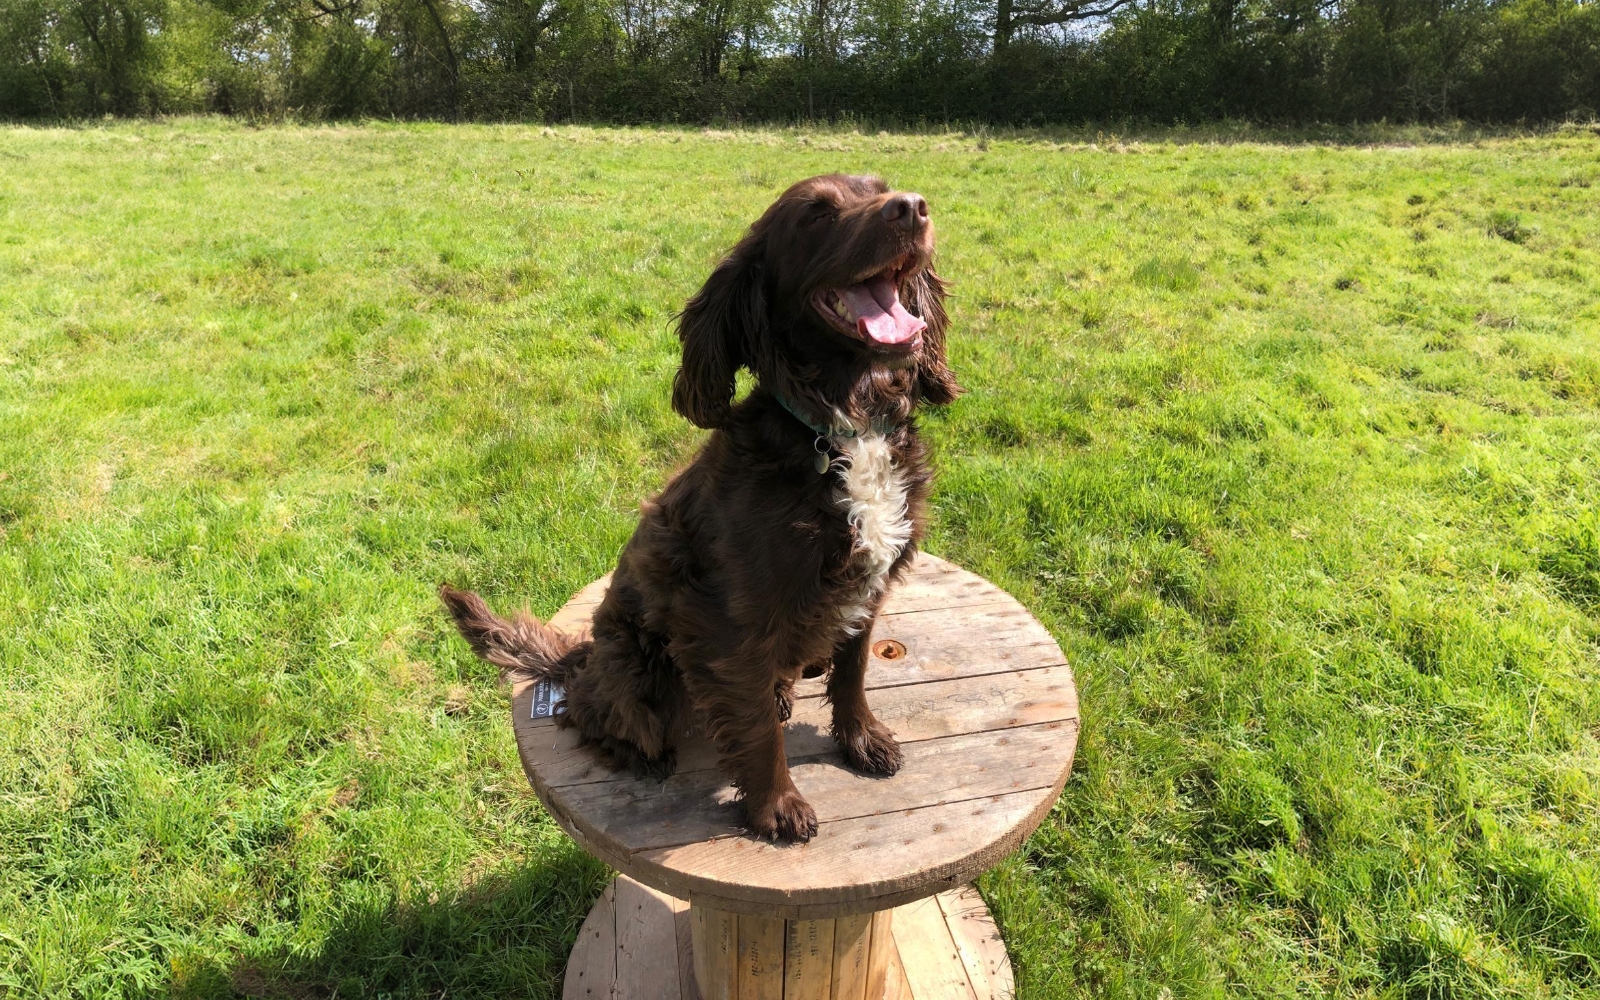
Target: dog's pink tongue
x=879, y=314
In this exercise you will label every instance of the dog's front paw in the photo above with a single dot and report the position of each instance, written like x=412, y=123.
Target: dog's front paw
x=870, y=748
x=786, y=816
x=785, y=698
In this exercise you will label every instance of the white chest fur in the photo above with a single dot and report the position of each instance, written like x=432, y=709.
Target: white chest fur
x=873, y=492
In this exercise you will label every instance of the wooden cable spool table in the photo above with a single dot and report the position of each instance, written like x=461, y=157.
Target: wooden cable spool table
x=876, y=905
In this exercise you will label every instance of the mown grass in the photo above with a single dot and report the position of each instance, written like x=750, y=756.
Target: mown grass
x=1294, y=448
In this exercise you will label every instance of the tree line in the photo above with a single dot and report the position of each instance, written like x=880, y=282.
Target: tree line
x=927, y=62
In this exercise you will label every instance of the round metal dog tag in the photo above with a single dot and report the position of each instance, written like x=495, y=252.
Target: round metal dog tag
x=823, y=459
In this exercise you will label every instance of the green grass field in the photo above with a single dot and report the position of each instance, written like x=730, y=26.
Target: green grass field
x=1295, y=449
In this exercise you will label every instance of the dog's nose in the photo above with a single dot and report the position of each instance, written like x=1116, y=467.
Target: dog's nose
x=908, y=211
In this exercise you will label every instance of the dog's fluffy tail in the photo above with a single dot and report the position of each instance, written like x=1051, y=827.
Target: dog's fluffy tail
x=523, y=645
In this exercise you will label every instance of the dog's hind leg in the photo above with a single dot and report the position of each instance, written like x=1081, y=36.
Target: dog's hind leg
x=628, y=700
x=626, y=710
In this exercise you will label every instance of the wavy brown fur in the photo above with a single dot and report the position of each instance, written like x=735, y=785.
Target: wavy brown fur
x=523, y=645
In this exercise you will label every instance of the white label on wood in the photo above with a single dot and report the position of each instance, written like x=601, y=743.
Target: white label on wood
x=547, y=699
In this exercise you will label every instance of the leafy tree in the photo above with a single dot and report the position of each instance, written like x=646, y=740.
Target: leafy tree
x=1024, y=61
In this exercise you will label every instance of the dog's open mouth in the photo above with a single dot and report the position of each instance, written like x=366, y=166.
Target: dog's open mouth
x=870, y=311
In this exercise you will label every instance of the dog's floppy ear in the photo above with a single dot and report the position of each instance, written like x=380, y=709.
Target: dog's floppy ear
x=936, y=383
x=719, y=328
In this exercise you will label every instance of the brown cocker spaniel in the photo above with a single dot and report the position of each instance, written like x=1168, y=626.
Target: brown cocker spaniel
x=768, y=556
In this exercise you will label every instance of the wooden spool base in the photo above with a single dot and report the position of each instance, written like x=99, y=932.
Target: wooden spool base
x=982, y=702
x=640, y=944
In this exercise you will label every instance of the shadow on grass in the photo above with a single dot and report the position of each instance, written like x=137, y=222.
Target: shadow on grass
x=505, y=935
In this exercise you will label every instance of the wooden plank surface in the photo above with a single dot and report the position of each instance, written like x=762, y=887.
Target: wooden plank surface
x=945, y=947
x=575, y=614
x=983, y=704
x=701, y=805
x=808, y=960
x=592, y=964
x=683, y=927
x=853, y=864
x=977, y=937
x=914, y=714
x=761, y=942
x=716, y=952
x=917, y=613
x=873, y=861
x=937, y=652
x=931, y=582
x=897, y=988
x=931, y=959
x=852, y=938
x=646, y=943
x=880, y=960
